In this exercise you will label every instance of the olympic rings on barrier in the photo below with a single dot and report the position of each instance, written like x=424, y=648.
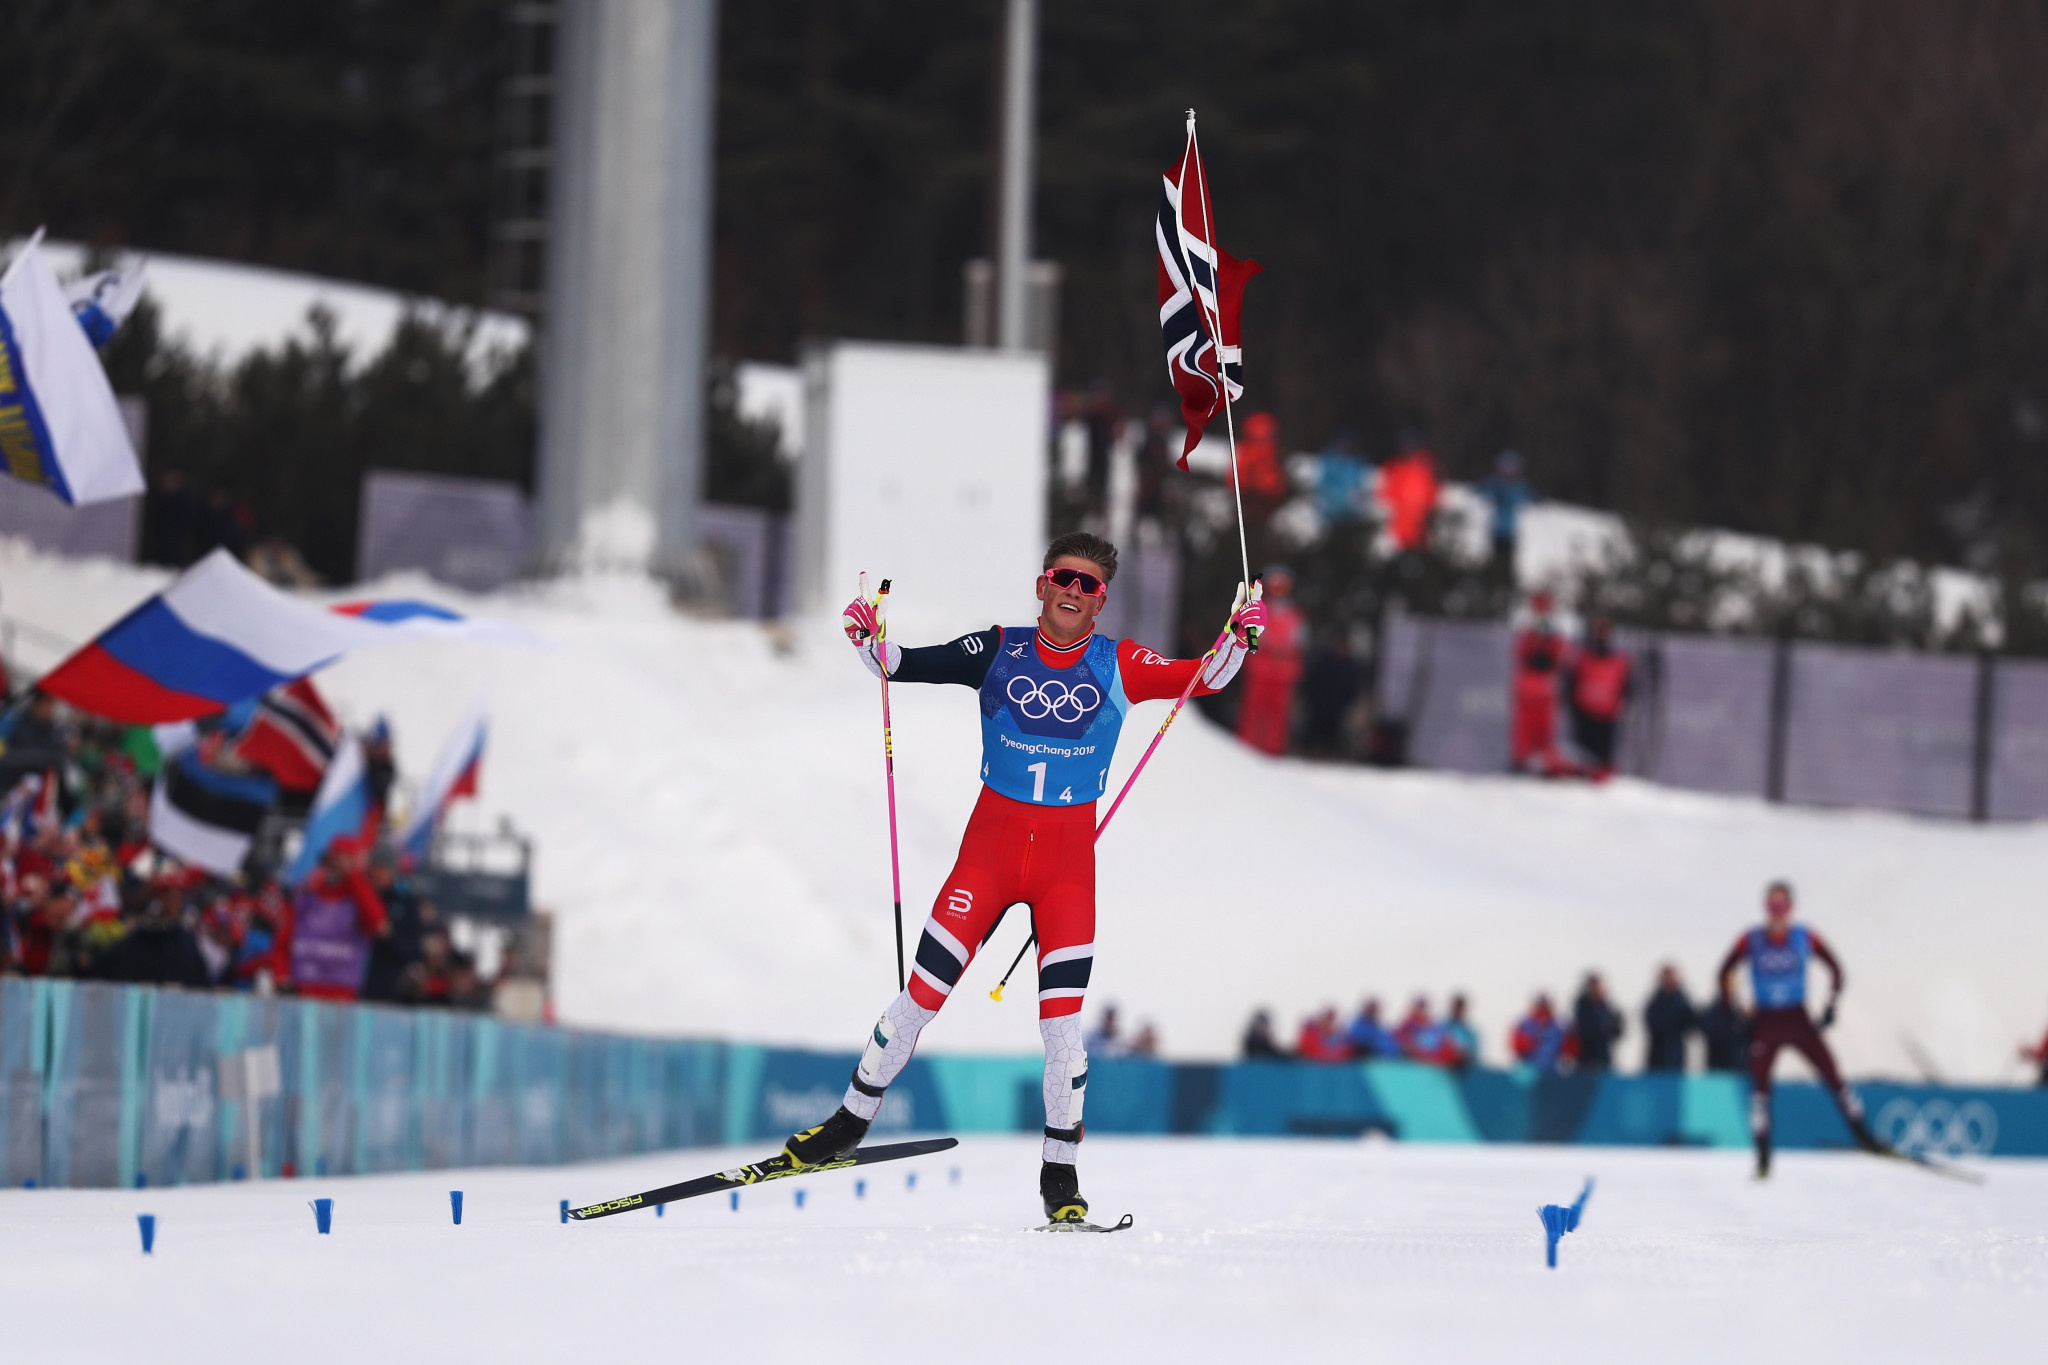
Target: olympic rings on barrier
x=1053, y=698
x=1940, y=1127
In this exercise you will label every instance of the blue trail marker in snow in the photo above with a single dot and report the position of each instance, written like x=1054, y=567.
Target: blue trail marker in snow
x=799, y=1197
x=323, y=1215
x=1558, y=1219
x=660, y=1209
x=956, y=1175
x=147, y=1222
x=455, y=1205
x=735, y=1201
x=860, y=1189
x=910, y=1180
x=565, y=1210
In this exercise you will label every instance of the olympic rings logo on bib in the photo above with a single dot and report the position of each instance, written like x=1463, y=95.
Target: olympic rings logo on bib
x=1052, y=698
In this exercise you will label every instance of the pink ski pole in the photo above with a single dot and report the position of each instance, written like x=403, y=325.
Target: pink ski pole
x=889, y=768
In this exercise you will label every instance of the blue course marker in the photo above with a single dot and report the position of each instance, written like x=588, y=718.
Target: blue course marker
x=660, y=1209
x=455, y=1205
x=860, y=1189
x=147, y=1221
x=323, y=1215
x=956, y=1175
x=799, y=1197
x=1558, y=1219
x=910, y=1181
x=735, y=1201
x=565, y=1210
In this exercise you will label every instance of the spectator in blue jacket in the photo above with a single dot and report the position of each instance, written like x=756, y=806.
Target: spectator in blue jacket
x=1538, y=1040
x=1507, y=491
x=1368, y=1036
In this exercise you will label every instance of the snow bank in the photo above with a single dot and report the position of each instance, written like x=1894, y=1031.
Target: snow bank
x=707, y=799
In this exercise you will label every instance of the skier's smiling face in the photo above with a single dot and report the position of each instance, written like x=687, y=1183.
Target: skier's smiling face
x=1069, y=613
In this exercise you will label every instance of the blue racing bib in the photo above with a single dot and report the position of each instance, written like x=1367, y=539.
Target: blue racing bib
x=1047, y=733
x=1777, y=971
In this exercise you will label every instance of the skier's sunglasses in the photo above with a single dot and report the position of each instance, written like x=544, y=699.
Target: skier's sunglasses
x=1086, y=582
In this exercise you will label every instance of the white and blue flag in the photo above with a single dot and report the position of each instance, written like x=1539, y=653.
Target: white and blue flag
x=59, y=424
x=103, y=300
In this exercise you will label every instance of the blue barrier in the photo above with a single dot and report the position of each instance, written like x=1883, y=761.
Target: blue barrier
x=122, y=1085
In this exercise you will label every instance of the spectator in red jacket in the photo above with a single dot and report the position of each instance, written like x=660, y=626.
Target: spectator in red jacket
x=335, y=915
x=1321, y=1040
x=1541, y=657
x=1408, y=487
x=1601, y=682
x=2038, y=1055
x=1265, y=718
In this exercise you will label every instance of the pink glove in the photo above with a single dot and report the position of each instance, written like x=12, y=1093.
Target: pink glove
x=1248, y=622
x=859, y=620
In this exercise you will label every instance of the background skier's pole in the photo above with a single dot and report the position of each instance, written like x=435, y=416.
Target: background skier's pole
x=889, y=765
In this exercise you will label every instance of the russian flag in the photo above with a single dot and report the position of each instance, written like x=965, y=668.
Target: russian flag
x=454, y=775
x=59, y=424
x=216, y=636
x=339, y=810
x=430, y=620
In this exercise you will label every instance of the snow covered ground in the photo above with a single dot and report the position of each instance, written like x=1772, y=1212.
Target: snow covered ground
x=1298, y=1251
x=707, y=803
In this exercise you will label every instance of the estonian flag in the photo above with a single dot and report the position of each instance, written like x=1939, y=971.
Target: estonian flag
x=59, y=424
x=207, y=818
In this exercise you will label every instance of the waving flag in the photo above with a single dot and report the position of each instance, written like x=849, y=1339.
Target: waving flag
x=217, y=635
x=205, y=817
x=454, y=775
x=292, y=735
x=1201, y=287
x=339, y=811
x=407, y=616
x=102, y=302
x=59, y=424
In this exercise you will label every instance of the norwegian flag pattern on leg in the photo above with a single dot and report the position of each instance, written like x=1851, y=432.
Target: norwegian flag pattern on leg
x=1201, y=290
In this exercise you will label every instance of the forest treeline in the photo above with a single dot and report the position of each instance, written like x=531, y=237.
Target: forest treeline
x=1776, y=267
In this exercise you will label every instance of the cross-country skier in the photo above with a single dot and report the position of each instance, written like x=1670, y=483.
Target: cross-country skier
x=1053, y=697
x=1778, y=953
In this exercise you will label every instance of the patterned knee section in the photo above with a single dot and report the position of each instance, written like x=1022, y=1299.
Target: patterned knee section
x=887, y=1053
x=1066, y=1086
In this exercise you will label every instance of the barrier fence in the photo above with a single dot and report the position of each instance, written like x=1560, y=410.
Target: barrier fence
x=1788, y=720
x=109, y=1085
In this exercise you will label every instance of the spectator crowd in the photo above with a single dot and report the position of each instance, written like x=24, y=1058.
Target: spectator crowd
x=1586, y=1037
x=85, y=894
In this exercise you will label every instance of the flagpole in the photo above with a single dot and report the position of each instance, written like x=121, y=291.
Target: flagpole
x=1214, y=317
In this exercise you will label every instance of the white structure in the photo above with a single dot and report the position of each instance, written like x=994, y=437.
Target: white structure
x=927, y=465
x=628, y=283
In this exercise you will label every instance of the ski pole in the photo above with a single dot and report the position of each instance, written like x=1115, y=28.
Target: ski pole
x=889, y=764
x=1185, y=693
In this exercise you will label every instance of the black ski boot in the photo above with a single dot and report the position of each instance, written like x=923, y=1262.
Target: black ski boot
x=1059, y=1185
x=831, y=1140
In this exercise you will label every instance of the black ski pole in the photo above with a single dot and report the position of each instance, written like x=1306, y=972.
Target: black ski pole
x=997, y=994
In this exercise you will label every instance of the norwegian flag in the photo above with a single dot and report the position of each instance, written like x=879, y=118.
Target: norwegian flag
x=292, y=736
x=1200, y=289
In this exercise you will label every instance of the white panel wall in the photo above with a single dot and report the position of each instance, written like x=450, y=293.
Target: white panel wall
x=927, y=465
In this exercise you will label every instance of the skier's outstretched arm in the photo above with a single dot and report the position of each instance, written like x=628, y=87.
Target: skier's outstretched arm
x=1827, y=959
x=964, y=661
x=1148, y=676
x=1726, y=976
